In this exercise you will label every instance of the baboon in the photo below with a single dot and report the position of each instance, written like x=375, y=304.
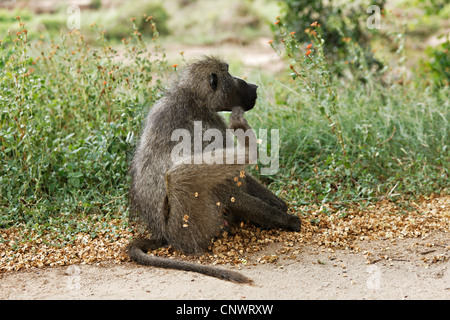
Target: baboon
x=187, y=205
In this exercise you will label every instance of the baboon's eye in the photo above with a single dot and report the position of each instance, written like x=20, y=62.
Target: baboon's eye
x=213, y=81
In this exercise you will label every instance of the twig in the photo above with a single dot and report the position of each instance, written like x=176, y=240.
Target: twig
x=390, y=138
x=427, y=252
x=395, y=259
x=375, y=261
x=390, y=192
x=116, y=198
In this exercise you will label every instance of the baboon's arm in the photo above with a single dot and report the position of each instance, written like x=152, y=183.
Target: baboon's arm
x=237, y=120
x=246, y=138
x=253, y=209
x=257, y=190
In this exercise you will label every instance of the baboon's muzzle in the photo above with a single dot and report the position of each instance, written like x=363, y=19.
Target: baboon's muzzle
x=247, y=93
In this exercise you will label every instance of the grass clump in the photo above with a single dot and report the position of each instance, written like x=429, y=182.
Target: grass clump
x=355, y=138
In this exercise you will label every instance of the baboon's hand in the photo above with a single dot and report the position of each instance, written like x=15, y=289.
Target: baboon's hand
x=294, y=223
x=237, y=120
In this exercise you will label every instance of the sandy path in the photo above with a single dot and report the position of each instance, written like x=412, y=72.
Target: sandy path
x=404, y=269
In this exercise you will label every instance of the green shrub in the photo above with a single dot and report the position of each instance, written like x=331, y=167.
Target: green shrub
x=68, y=121
x=340, y=23
x=438, y=64
x=10, y=16
x=53, y=23
x=140, y=11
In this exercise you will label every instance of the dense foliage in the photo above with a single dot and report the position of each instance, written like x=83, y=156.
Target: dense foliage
x=68, y=120
x=71, y=110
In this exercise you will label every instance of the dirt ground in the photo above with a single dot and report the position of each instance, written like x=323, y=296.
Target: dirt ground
x=384, y=269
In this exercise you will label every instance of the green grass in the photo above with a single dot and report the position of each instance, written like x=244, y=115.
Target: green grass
x=396, y=142
x=357, y=138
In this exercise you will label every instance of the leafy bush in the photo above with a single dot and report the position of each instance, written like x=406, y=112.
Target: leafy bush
x=139, y=10
x=340, y=23
x=430, y=6
x=53, y=23
x=439, y=64
x=68, y=121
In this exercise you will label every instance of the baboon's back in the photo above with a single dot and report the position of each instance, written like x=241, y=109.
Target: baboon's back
x=152, y=158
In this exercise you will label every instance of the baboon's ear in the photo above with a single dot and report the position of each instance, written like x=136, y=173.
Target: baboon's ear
x=213, y=81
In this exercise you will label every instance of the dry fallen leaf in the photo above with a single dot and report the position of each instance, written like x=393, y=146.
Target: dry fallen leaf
x=21, y=248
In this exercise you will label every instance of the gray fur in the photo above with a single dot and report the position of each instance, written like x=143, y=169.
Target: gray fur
x=186, y=205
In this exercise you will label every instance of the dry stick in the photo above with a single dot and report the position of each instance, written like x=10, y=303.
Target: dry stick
x=427, y=252
x=390, y=138
x=396, y=259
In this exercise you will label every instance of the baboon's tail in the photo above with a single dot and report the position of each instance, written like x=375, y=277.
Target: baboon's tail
x=136, y=252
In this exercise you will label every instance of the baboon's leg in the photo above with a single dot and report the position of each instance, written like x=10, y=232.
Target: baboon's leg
x=194, y=201
x=247, y=207
x=256, y=189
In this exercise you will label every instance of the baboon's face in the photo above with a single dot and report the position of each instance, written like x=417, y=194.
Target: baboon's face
x=237, y=91
x=246, y=93
x=212, y=85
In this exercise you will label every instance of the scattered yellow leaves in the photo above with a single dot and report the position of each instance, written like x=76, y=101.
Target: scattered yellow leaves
x=343, y=228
